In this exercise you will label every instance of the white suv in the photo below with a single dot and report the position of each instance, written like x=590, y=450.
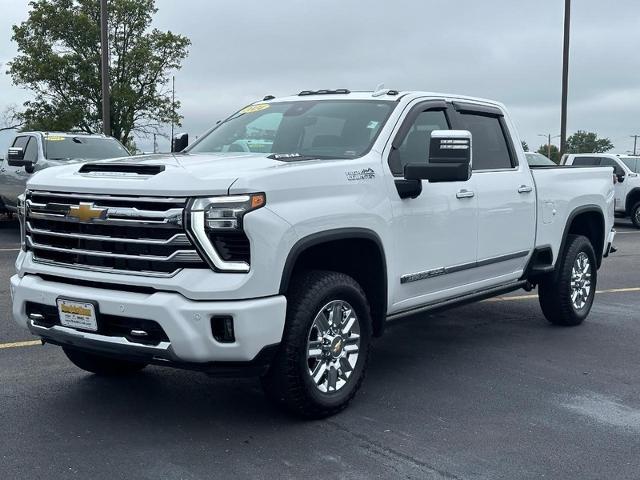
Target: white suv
x=626, y=169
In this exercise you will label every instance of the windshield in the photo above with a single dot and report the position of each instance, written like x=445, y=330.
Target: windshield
x=70, y=148
x=317, y=129
x=538, y=160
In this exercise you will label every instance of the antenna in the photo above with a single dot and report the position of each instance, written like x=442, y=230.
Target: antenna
x=379, y=87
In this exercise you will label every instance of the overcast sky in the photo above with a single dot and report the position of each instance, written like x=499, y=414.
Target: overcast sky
x=508, y=50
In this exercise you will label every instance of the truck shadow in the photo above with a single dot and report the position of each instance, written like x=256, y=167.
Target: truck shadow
x=412, y=355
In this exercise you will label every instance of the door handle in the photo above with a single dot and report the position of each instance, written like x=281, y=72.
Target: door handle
x=525, y=189
x=465, y=194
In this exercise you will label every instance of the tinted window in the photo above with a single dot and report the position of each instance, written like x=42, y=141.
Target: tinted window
x=591, y=161
x=490, y=149
x=608, y=162
x=312, y=128
x=632, y=163
x=31, y=153
x=20, y=142
x=415, y=146
x=69, y=148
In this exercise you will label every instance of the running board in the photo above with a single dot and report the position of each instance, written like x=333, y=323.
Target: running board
x=459, y=301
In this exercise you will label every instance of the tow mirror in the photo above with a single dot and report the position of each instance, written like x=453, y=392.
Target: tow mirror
x=619, y=173
x=15, y=157
x=179, y=142
x=449, y=158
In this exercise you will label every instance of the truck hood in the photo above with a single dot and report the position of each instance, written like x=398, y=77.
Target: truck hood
x=177, y=175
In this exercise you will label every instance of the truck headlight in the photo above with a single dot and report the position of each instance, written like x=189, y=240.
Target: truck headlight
x=21, y=206
x=209, y=217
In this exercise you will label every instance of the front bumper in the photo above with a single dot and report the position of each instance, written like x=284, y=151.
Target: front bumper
x=258, y=323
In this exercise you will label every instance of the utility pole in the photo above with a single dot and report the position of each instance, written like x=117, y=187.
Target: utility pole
x=635, y=142
x=565, y=76
x=548, y=137
x=173, y=106
x=104, y=45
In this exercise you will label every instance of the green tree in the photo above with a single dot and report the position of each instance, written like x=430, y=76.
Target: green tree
x=587, y=142
x=525, y=146
x=59, y=60
x=555, y=152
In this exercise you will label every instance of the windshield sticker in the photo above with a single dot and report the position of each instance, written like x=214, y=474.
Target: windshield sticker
x=373, y=125
x=255, y=108
x=364, y=174
x=55, y=139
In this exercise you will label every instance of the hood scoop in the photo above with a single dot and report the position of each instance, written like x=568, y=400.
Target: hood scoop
x=120, y=169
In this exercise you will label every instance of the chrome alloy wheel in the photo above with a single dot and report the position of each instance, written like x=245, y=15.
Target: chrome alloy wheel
x=580, y=281
x=637, y=215
x=333, y=344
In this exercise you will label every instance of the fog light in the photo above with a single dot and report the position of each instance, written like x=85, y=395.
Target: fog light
x=222, y=328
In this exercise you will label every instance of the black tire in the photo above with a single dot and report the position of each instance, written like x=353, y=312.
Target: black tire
x=288, y=382
x=101, y=365
x=635, y=215
x=555, y=291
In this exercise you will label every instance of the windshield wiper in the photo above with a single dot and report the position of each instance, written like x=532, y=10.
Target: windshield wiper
x=292, y=157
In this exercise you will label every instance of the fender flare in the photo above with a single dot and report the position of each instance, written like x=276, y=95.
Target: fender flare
x=627, y=201
x=565, y=233
x=326, y=236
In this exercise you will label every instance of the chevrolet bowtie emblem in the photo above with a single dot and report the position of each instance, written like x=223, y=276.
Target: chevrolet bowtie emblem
x=87, y=211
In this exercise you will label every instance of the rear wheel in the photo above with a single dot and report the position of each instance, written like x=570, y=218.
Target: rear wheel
x=635, y=215
x=325, y=345
x=101, y=365
x=566, y=296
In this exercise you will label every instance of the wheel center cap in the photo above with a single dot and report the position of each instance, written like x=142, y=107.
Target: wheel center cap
x=336, y=347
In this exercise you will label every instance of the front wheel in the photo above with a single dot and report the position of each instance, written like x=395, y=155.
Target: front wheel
x=635, y=215
x=325, y=345
x=566, y=296
x=101, y=365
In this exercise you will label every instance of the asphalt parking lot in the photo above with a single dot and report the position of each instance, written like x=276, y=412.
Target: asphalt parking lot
x=485, y=391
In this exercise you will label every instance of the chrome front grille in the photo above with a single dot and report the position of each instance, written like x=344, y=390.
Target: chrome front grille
x=118, y=234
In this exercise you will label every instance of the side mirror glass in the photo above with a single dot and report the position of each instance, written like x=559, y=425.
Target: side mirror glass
x=450, y=158
x=179, y=142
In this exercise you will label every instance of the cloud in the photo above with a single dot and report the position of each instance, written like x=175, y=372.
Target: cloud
x=500, y=49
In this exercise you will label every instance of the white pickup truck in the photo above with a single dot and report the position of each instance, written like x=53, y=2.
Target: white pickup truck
x=283, y=240
x=626, y=169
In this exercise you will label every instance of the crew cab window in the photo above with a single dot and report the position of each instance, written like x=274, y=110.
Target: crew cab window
x=415, y=146
x=632, y=163
x=589, y=161
x=20, y=142
x=31, y=152
x=490, y=147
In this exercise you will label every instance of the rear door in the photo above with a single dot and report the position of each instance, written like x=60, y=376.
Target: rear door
x=506, y=195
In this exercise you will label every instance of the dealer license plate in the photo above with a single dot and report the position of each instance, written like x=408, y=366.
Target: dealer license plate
x=75, y=314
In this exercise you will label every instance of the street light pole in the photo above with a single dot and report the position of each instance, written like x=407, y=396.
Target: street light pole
x=104, y=45
x=548, y=137
x=565, y=76
x=635, y=142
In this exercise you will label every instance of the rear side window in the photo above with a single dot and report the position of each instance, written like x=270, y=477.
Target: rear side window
x=589, y=161
x=490, y=148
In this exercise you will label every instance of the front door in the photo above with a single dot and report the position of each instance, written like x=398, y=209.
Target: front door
x=434, y=234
